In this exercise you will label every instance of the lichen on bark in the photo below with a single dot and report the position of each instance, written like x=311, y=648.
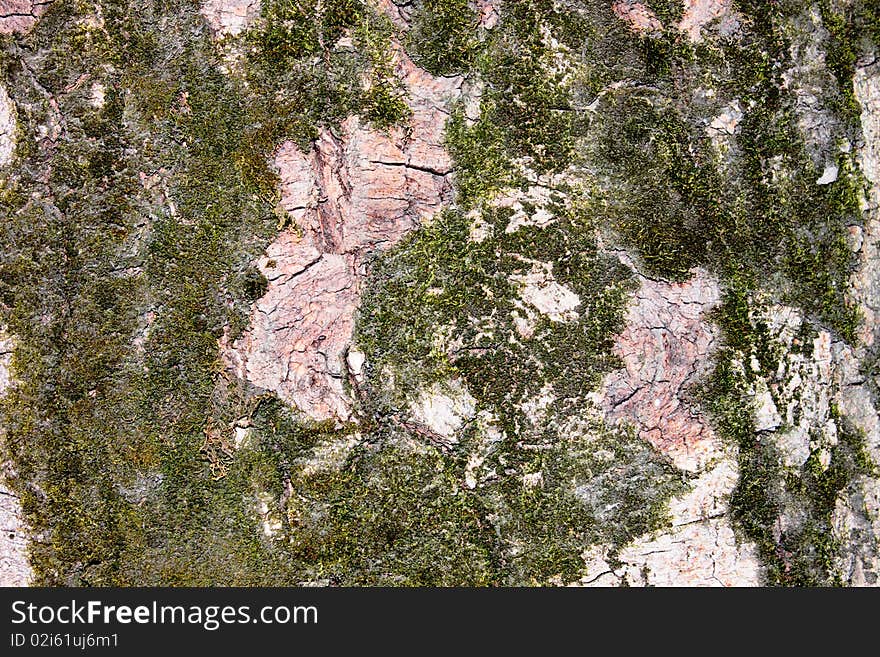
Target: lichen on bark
x=442, y=292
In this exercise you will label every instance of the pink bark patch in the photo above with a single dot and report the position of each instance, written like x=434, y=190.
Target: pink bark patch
x=699, y=13
x=665, y=349
x=639, y=17
x=490, y=13
x=350, y=195
x=19, y=16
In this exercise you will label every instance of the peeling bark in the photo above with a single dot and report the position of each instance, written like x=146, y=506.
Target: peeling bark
x=351, y=195
x=20, y=16
x=640, y=18
x=666, y=347
x=699, y=14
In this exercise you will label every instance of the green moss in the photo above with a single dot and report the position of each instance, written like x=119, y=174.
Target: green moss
x=383, y=101
x=809, y=551
x=395, y=517
x=429, y=281
x=761, y=218
x=598, y=488
x=670, y=12
x=292, y=95
x=422, y=293
x=291, y=29
x=483, y=165
x=156, y=202
x=804, y=552
x=132, y=256
x=443, y=36
x=525, y=98
x=669, y=203
x=854, y=32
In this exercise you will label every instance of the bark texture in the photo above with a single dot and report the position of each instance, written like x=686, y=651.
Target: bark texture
x=440, y=292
